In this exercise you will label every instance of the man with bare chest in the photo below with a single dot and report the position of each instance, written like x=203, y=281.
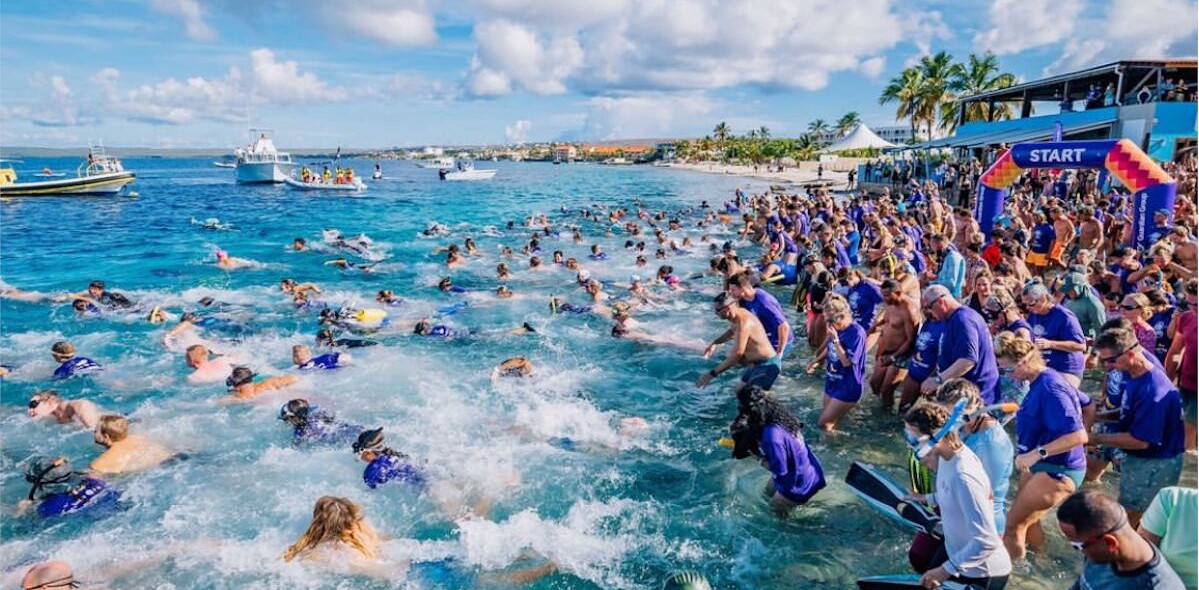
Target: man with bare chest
x=1090, y=231
x=898, y=326
x=1063, y=237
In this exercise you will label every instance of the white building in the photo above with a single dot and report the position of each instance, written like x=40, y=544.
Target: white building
x=899, y=134
x=433, y=152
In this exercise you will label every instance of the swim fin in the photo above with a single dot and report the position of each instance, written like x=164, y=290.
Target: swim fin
x=882, y=494
x=903, y=582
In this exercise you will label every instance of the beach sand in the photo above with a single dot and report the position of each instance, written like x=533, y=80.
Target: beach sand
x=791, y=174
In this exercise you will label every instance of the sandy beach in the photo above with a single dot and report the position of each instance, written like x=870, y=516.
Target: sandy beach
x=804, y=173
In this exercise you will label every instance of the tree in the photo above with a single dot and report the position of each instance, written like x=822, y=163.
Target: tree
x=722, y=133
x=906, y=91
x=938, y=71
x=848, y=122
x=817, y=128
x=977, y=75
x=764, y=132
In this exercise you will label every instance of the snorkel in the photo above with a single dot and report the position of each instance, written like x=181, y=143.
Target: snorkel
x=958, y=419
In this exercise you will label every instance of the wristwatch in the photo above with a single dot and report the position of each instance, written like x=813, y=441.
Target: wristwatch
x=1042, y=453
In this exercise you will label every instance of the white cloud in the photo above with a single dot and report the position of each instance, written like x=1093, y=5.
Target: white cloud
x=283, y=82
x=1133, y=29
x=512, y=56
x=642, y=116
x=407, y=23
x=873, y=67
x=59, y=89
x=191, y=14
x=518, y=131
x=1018, y=25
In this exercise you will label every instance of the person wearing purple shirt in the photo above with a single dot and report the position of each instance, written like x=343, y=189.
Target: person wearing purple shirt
x=864, y=297
x=768, y=311
x=765, y=428
x=966, y=350
x=1056, y=331
x=1049, y=442
x=1150, y=428
x=845, y=369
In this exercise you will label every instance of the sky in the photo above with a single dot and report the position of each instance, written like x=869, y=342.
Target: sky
x=381, y=73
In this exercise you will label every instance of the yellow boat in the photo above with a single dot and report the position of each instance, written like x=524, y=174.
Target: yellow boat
x=99, y=175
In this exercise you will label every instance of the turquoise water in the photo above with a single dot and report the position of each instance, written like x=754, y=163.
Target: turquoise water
x=615, y=512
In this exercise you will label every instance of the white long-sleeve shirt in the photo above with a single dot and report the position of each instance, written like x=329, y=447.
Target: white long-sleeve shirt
x=968, y=518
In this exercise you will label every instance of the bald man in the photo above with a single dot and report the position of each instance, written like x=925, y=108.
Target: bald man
x=49, y=575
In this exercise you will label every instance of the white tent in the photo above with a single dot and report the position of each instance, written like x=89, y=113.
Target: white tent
x=859, y=139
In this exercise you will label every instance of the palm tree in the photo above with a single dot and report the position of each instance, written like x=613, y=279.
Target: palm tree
x=764, y=132
x=977, y=75
x=722, y=133
x=906, y=90
x=848, y=122
x=817, y=129
x=939, y=71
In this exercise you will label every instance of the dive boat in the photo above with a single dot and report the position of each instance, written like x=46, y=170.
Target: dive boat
x=437, y=163
x=464, y=169
x=261, y=162
x=99, y=175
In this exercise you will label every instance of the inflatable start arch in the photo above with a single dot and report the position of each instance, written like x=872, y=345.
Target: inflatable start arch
x=1151, y=187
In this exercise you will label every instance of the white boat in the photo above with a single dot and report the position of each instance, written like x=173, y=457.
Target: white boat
x=437, y=163
x=220, y=164
x=378, y=175
x=261, y=162
x=617, y=162
x=99, y=175
x=464, y=169
x=356, y=186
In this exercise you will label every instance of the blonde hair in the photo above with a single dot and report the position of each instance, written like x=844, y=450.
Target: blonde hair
x=113, y=427
x=1014, y=348
x=835, y=304
x=334, y=520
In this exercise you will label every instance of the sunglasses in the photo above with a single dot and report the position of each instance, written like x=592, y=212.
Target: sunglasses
x=33, y=403
x=1112, y=359
x=932, y=302
x=1082, y=545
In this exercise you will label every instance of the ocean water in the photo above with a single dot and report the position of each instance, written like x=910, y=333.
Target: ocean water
x=613, y=511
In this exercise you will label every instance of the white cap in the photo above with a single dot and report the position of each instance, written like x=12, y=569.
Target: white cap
x=635, y=279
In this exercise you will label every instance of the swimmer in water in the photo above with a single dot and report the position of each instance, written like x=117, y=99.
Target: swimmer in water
x=227, y=262
x=48, y=404
x=71, y=365
x=205, y=367
x=97, y=293
x=388, y=297
x=124, y=452
x=301, y=355
x=312, y=424
x=502, y=272
x=384, y=464
x=59, y=490
x=517, y=366
x=299, y=245
x=446, y=285
x=291, y=286
x=344, y=264
x=156, y=315
x=327, y=339
x=244, y=384
x=86, y=306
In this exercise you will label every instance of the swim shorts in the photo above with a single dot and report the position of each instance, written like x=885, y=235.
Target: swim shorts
x=1055, y=252
x=763, y=374
x=1037, y=259
x=1060, y=473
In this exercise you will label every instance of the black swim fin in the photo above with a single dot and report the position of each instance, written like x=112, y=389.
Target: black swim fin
x=882, y=494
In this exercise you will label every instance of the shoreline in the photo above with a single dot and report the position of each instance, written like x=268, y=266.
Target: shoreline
x=795, y=175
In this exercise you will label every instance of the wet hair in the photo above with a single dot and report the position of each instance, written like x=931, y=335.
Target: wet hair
x=239, y=376
x=755, y=411
x=1090, y=512
x=334, y=520
x=113, y=427
x=422, y=327
x=62, y=348
x=46, y=395
x=96, y=285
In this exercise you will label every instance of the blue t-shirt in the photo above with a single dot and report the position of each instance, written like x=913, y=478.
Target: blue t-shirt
x=918, y=261
x=841, y=382
x=324, y=362
x=924, y=356
x=864, y=298
x=842, y=255
x=440, y=331
x=796, y=471
x=967, y=337
x=855, y=243
x=768, y=311
x=1049, y=412
x=1060, y=324
x=1042, y=238
x=388, y=468
x=996, y=453
x=75, y=367
x=952, y=273
x=1153, y=414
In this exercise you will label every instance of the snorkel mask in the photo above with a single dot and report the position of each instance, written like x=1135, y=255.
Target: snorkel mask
x=923, y=445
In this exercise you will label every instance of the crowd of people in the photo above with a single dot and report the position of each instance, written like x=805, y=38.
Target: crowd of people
x=1053, y=322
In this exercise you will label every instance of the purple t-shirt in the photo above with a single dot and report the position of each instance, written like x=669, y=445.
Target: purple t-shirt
x=1060, y=324
x=768, y=311
x=795, y=469
x=841, y=382
x=324, y=362
x=967, y=337
x=1049, y=412
x=864, y=298
x=924, y=357
x=1153, y=414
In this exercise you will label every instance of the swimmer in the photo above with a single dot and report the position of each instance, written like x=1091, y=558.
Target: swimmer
x=517, y=366
x=446, y=285
x=558, y=306
x=205, y=367
x=388, y=297
x=312, y=424
x=765, y=429
x=751, y=348
x=502, y=272
x=301, y=355
x=384, y=464
x=340, y=535
x=327, y=339
x=125, y=452
x=621, y=330
x=9, y=292
x=244, y=384
x=291, y=286
x=58, y=489
x=156, y=315
x=96, y=291
x=86, y=306
x=344, y=264
x=503, y=292
x=48, y=403
x=299, y=245
x=71, y=365
x=425, y=328
x=227, y=262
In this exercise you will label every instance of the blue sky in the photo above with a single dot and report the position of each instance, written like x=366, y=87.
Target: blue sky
x=373, y=73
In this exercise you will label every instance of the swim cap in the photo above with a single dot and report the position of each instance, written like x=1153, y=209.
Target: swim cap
x=633, y=280
x=294, y=409
x=686, y=581
x=369, y=440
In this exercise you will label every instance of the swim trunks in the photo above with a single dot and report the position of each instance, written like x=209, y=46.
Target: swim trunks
x=762, y=373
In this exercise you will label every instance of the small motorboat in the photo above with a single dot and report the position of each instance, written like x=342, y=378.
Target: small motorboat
x=355, y=185
x=378, y=175
x=464, y=169
x=220, y=164
x=99, y=175
x=437, y=163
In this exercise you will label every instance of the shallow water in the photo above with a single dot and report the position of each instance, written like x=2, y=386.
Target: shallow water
x=613, y=511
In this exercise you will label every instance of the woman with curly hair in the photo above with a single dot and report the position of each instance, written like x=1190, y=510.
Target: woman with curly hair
x=765, y=428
